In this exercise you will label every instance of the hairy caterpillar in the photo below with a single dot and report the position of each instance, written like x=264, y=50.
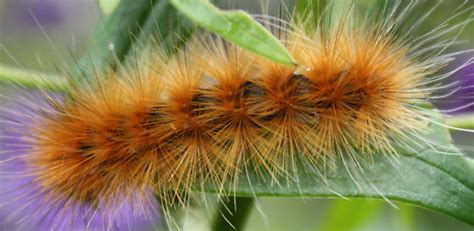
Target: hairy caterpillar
x=212, y=110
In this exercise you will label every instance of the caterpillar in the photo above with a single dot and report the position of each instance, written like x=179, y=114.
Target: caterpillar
x=168, y=124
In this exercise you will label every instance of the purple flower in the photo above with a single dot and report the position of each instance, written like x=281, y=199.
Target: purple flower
x=32, y=12
x=465, y=96
x=459, y=98
x=25, y=205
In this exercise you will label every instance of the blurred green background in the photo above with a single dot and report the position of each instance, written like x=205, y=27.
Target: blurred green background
x=48, y=34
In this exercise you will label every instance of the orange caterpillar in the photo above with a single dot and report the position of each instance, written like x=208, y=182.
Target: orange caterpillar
x=213, y=111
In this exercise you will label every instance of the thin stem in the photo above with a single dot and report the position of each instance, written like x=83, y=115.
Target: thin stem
x=464, y=121
x=32, y=79
x=110, y=43
x=232, y=214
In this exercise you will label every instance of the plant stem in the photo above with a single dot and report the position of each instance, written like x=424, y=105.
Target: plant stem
x=232, y=214
x=464, y=121
x=110, y=43
x=32, y=79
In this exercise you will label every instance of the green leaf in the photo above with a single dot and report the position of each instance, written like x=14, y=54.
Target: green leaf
x=236, y=26
x=422, y=176
x=113, y=37
x=165, y=26
x=310, y=8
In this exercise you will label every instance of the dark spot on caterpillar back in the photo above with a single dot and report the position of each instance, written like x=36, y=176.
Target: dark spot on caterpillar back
x=85, y=145
x=199, y=104
x=86, y=150
x=252, y=89
x=293, y=100
x=152, y=118
x=358, y=98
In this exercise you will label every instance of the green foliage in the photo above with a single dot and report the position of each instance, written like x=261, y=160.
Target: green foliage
x=422, y=176
x=235, y=26
x=165, y=27
x=113, y=37
x=305, y=8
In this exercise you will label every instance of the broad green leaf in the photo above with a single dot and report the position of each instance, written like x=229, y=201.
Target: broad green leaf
x=421, y=176
x=236, y=26
x=108, y=6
